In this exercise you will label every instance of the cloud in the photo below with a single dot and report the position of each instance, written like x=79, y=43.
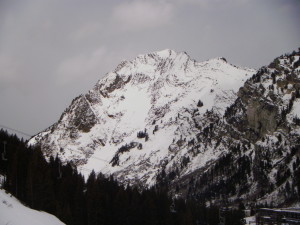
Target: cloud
x=137, y=15
x=209, y=3
x=75, y=68
x=85, y=31
x=8, y=71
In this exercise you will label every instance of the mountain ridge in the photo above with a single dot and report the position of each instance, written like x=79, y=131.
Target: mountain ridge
x=154, y=85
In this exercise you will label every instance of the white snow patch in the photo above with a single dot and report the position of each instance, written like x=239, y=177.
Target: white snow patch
x=296, y=108
x=2, y=179
x=250, y=220
x=12, y=212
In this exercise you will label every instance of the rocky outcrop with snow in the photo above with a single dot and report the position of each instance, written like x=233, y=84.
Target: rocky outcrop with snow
x=260, y=137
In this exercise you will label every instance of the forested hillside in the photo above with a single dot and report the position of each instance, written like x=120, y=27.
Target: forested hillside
x=62, y=191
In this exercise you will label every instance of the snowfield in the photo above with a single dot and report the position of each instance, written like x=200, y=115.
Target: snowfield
x=12, y=212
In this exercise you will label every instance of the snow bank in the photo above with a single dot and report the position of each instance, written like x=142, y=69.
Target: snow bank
x=12, y=212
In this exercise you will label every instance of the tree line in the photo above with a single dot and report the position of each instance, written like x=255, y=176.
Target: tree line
x=62, y=191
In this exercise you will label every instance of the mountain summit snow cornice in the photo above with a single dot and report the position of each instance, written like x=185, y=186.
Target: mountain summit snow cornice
x=143, y=116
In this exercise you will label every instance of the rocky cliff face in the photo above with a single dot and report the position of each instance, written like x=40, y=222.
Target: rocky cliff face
x=208, y=130
x=260, y=162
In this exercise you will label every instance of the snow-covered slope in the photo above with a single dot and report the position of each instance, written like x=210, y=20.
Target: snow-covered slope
x=12, y=212
x=260, y=135
x=145, y=116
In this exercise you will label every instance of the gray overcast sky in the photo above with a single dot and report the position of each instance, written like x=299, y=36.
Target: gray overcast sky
x=53, y=50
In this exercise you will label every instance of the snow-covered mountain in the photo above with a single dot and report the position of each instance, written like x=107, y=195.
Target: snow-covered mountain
x=209, y=131
x=13, y=212
x=145, y=116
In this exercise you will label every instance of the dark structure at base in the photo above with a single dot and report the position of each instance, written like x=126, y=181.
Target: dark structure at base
x=278, y=216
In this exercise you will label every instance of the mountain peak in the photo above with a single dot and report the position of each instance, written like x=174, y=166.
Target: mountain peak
x=166, y=53
x=154, y=95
